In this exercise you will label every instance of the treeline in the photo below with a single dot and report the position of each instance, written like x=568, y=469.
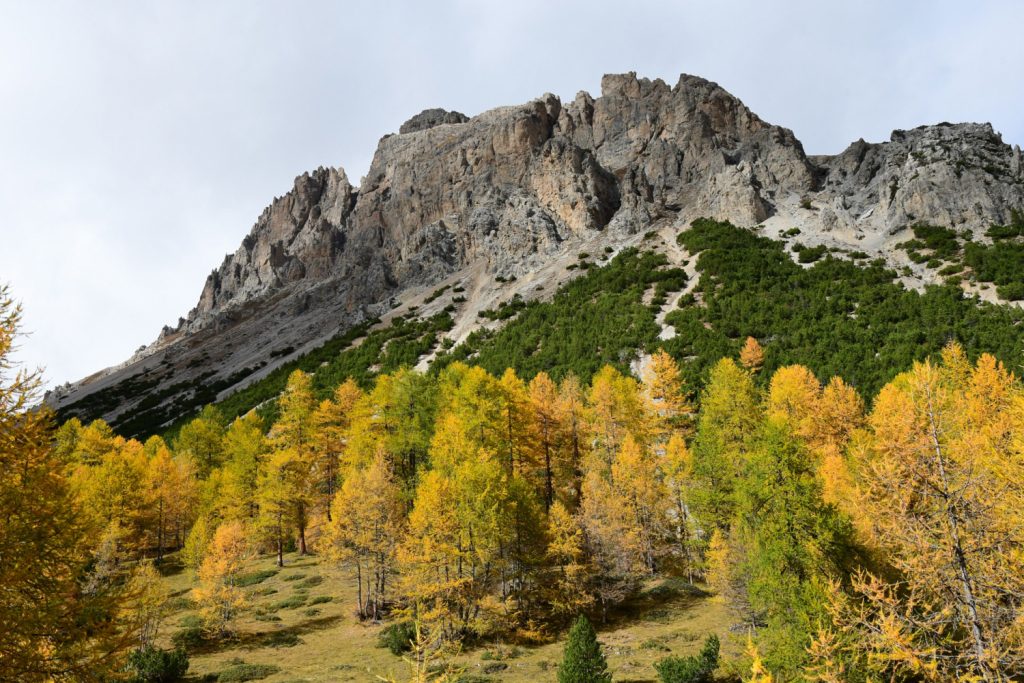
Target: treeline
x=852, y=545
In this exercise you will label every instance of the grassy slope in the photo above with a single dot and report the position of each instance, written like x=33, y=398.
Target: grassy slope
x=670, y=618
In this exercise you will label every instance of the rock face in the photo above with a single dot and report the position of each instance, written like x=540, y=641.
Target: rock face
x=507, y=189
x=960, y=176
x=428, y=118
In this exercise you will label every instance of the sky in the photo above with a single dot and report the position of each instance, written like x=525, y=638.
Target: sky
x=139, y=141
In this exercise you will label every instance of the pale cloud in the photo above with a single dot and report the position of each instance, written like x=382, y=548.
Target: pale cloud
x=140, y=140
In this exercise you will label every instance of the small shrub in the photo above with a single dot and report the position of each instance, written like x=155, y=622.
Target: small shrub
x=811, y=254
x=693, y=669
x=293, y=577
x=262, y=616
x=397, y=637
x=312, y=581
x=241, y=672
x=293, y=602
x=282, y=639
x=191, y=621
x=253, y=578
x=320, y=599
x=311, y=612
x=1011, y=292
x=153, y=665
x=655, y=644
x=188, y=638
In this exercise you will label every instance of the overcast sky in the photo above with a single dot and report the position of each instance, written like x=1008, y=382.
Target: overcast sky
x=140, y=140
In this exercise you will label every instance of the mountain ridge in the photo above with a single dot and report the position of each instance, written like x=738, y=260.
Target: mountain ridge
x=510, y=191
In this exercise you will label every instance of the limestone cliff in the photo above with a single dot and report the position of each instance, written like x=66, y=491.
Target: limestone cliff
x=508, y=189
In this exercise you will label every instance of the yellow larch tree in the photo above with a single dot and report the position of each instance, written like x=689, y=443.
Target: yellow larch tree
x=245, y=450
x=368, y=519
x=666, y=390
x=50, y=629
x=570, y=593
x=572, y=415
x=617, y=407
x=543, y=396
x=677, y=473
x=219, y=598
x=751, y=355
x=331, y=423
x=943, y=490
x=292, y=439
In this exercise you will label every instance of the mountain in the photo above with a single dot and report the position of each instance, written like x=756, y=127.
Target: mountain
x=499, y=204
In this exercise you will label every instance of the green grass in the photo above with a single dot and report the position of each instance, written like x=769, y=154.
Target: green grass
x=333, y=645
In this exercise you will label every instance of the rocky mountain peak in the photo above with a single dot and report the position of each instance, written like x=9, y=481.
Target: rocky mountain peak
x=507, y=191
x=429, y=118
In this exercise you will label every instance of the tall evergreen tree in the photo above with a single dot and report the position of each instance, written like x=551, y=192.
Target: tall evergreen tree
x=583, y=661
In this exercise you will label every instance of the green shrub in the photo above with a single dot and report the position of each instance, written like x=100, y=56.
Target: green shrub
x=254, y=578
x=312, y=581
x=241, y=672
x=293, y=602
x=1011, y=292
x=153, y=665
x=397, y=637
x=693, y=669
x=812, y=254
x=281, y=639
x=188, y=638
x=320, y=599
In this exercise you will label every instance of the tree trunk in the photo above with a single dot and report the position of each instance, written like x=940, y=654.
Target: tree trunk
x=302, y=529
x=959, y=556
x=280, y=543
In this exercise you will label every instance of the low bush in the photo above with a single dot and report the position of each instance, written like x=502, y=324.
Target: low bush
x=153, y=665
x=693, y=669
x=397, y=637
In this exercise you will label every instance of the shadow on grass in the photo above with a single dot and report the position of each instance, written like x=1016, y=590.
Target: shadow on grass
x=287, y=636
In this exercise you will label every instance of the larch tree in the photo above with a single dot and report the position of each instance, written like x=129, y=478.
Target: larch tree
x=245, y=450
x=751, y=355
x=943, y=489
x=292, y=439
x=570, y=592
x=331, y=422
x=730, y=412
x=201, y=439
x=368, y=518
x=550, y=436
x=518, y=428
x=617, y=407
x=281, y=495
x=667, y=392
x=677, y=473
x=791, y=543
x=572, y=415
x=639, y=488
x=219, y=597
x=50, y=628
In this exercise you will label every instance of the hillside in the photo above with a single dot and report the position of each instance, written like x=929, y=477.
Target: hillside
x=503, y=203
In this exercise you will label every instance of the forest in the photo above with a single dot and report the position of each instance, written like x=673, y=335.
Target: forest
x=851, y=537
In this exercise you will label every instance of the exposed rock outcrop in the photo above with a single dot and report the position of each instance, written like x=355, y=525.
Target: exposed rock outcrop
x=511, y=187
